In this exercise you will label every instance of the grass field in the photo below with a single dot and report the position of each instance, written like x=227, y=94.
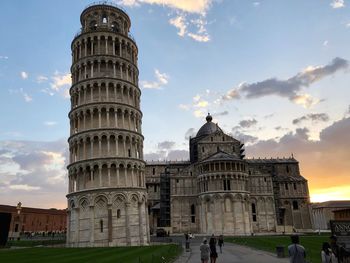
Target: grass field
x=33, y=243
x=312, y=244
x=147, y=254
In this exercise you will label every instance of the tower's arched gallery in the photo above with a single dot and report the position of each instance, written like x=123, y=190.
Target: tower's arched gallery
x=107, y=188
x=116, y=199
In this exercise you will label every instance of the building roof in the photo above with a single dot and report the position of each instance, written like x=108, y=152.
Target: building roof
x=32, y=210
x=271, y=160
x=222, y=156
x=333, y=204
x=208, y=128
x=289, y=178
x=342, y=210
x=165, y=162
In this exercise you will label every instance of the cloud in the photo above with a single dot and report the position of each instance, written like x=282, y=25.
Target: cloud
x=24, y=187
x=280, y=128
x=197, y=6
x=243, y=137
x=61, y=83
x=191, y=132
x=180, y=23
x=248, y=123
x=305, y=100
x=337, y=4
x=24, y=75
x=50, y=123
x=318, y=159
x=173, y=155
x=4, y=57
x=190, y=19
x=222, y=113
x=166, y=145
x=27, y=97
x=22, y=93
x=325, y=43
x=199, y=113
x=201, y=34
x=177, y=155
x=184, y=107
x=201, y=104
x=161, y=80
x=27, y=166
x=291, y=87
x=256, y=4
x=231, y=94
x=314, y=117
x=41, y=79
x=165, y=151
x=194, y=28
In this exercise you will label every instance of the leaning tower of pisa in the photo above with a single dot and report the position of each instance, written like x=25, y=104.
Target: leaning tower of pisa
x=107, y=194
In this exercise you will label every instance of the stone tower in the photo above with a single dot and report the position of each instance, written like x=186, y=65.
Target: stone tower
x=107, y=194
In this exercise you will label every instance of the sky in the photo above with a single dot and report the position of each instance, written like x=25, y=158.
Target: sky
x=274, y=74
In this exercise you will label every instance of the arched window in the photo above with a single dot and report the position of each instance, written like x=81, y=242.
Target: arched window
x=93, y=25
x=295, y=205
x=118, y=213
x=104, y=19
x=154, y=171
x=101, y=225
x=193, y=214
x=115, y=27
x=287, y=169
x=254, y=212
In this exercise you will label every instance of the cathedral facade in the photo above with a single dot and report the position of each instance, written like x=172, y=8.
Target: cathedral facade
x=219, y=191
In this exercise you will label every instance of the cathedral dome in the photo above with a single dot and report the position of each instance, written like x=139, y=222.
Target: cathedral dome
x=208, y=128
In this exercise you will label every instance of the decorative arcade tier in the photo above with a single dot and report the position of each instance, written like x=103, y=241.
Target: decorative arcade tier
x=107, y=194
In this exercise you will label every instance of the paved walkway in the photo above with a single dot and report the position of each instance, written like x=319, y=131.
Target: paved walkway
x=231, y=254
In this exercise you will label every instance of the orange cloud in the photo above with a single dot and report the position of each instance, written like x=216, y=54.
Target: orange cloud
x=324, y=163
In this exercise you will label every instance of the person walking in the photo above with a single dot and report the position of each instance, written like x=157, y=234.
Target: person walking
x=326, y=253
x=336, y=250
x=221, y=242
x=212, y=245
x=205, y=251
x=296, y=252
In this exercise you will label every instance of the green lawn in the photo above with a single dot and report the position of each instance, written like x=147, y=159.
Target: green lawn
x=33, y=243
x=312, y=244
x=147, y=254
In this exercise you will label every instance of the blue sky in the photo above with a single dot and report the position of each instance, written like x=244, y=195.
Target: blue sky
x=273, y=70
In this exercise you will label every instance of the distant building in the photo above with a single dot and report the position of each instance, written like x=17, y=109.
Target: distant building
x=219, y=191
x=29, y=219
x=342, y=214
x=323, y=212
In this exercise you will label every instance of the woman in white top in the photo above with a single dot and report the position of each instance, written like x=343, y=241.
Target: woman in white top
x=326, y=254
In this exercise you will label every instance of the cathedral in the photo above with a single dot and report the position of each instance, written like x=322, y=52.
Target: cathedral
x=219, y=191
